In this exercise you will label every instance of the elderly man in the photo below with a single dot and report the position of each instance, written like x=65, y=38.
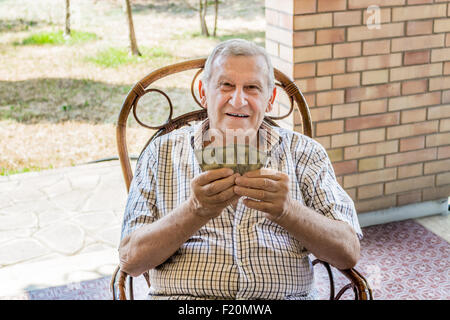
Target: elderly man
x=221, y=235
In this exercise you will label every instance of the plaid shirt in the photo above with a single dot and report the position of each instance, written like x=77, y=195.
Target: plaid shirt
x=239, y=254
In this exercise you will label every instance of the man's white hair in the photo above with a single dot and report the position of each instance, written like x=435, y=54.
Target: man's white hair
x=238, y=47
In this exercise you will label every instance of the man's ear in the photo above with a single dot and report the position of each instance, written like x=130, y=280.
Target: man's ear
x=272, y=99
x=201, y=92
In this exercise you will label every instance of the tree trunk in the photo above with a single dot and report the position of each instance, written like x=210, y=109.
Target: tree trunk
x=133, y=44
x=216, y=12
x=202, y=14
x=67, y=28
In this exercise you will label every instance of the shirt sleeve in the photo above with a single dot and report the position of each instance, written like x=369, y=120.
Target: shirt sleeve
x=141, y=207
x=323, y=193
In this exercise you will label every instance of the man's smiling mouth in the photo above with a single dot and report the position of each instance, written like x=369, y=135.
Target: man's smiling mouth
x=237, y=115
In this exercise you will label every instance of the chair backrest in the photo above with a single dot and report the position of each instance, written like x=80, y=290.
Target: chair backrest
x=143, y=87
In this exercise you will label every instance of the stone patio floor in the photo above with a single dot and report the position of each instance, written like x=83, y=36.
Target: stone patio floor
x=62, y=226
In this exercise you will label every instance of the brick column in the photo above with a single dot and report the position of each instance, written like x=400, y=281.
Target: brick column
x=379, y=97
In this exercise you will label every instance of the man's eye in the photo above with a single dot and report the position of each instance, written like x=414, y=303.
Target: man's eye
x=226, y=85
x=253, y=87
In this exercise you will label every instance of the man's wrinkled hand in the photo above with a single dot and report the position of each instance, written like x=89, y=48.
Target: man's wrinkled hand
x=212, y=191
x=269, y=188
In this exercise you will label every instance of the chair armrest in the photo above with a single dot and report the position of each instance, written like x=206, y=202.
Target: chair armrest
x=119, y=277
x=358, y=282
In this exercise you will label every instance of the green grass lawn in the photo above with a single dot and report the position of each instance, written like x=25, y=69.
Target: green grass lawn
x=57, y=38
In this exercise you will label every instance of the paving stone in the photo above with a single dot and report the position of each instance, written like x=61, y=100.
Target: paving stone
x=59, y=187
x=106, y=197
x=71, y=201
x=8, y=235
x=83, y=182
x=111, y=236
x=21, y=250
x=17, y=220
x=66, y=238
x=95, y=220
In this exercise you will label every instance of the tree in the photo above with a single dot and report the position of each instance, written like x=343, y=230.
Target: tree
x=67, y=28
x=133, y=44
x=202, y=10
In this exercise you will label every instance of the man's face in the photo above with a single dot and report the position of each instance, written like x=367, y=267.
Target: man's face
x=237, y=94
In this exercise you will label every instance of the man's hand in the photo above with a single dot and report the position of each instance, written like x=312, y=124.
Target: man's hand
x=270, y=187
x=212, y=191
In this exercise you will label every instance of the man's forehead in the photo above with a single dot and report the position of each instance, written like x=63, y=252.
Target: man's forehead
x=222, y=63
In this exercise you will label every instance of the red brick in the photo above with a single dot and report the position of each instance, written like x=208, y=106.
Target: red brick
x=343, y=50
x=409, y=197
x=376, y=47
x=321, y=114
x=304, y=70
x=387, y=31
x=418, y=12
x=371, y=177
x=384, y=17
x=306, y=38
x=417, y=57
x=413, y=101
x=372, y=135
x=414, y=86
x=435, y=193
x=375, y=106
x=375, y=121
x=417, y=42
x=374, y=62
x=409, y=184
x=331, y=5
x=344, y=139
x=313, y=21
x=444, y=152
x=346, y=80
x=437, y=166
x=444, y=125
x=414, y=129
x=330, y=36
x=347, y=18
x=412, y=170
x=443, y=179
x=358, y=4
x=345, y=110
x=414, y=28
x=446, y=68
x=446, y=96
x=439, y=139
x=330, y=67
x=417, y=71
x=329, y=127
x=415, y=115
x=419, y=1
x=301, y=6
x=314, y=84
x=372, y=92
x=441, y=54
x=369, y=150
x=330, y=97
x=447, y=37
x=395, y=160
x=441, y=25
x=440, y=83
x=409, y=144
x=304, y=54
x=376, y=204
x=370, y=191
x=439, y=112
x=345, y=167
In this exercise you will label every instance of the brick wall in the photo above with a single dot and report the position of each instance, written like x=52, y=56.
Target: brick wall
x=379, y=98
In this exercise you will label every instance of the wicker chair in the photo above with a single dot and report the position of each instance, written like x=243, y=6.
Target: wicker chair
x=358, y=283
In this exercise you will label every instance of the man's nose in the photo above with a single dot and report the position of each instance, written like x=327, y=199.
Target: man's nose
x=238, y=98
